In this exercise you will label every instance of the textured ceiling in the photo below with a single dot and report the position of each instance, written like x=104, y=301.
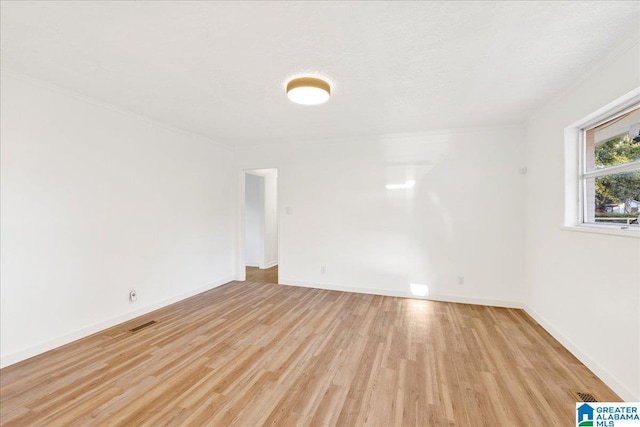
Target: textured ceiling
x=219, y=68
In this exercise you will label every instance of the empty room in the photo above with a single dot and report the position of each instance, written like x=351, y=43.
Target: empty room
x=352, y=213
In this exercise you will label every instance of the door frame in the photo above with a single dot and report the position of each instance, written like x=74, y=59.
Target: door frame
x=241, y=232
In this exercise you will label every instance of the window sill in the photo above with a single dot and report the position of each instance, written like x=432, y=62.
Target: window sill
x=597, y=229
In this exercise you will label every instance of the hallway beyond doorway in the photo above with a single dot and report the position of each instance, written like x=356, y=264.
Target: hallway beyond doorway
x=267, y=275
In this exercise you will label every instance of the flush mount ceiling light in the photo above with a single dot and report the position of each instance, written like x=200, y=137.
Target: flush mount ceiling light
x=308, y=91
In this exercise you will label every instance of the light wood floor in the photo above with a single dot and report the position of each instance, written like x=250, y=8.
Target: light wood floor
x=251, y=353
x=268, y=275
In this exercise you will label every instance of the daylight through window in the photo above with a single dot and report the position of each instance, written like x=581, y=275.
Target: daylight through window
x=610, y=174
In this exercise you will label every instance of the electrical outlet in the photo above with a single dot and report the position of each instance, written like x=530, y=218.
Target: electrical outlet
x=323, y=269
x=133, y=295
x=460, y=280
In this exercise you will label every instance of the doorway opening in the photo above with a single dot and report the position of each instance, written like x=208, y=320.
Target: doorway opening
x=261, y=251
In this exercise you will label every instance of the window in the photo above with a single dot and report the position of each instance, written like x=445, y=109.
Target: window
x=610, y=170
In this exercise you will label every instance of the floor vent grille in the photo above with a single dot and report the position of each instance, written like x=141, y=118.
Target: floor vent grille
x=582, y=396
x=144, y=325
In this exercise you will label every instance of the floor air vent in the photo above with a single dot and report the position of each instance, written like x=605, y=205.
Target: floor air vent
x=144, y=325
x=582, y=396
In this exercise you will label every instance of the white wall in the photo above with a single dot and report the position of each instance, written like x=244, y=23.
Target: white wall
x=94, y=202
x=270, y=218
x=254, y=220
x=584, y=288
x=464, y=217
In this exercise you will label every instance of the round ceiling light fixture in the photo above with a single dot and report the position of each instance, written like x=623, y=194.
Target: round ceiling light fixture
x=308, y=90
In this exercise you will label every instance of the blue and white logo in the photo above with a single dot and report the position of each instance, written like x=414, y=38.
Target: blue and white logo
x=585, y=415
x=608, y=414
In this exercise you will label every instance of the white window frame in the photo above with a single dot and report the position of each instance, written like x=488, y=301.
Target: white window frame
x=576, y=173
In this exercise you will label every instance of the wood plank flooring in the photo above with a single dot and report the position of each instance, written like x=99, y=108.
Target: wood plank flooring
x=251, y=353
x=267, y=275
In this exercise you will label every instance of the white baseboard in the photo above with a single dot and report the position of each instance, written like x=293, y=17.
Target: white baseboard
x=616, y=385
x=270, y=264
x=251, y=264
x=475, y=301
x=396, y=293
x=26, y=353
